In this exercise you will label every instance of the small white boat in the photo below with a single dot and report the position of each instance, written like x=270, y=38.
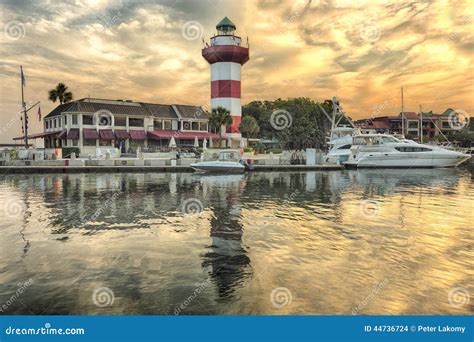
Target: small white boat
x=384, y=150
x=229, y=161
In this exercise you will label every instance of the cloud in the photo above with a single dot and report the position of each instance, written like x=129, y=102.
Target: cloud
x=361, y=51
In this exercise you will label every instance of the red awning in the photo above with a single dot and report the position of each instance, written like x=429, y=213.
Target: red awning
x=106, y=134
x=63, y=134
x=90, y=133
x=37, y=135
x=157, y=135
x=121, y=134
x=137, y=135
x=73, y=134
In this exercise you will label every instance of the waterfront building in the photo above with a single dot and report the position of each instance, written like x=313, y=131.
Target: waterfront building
x=226, y=55
x=95, y=125
x=432, y=124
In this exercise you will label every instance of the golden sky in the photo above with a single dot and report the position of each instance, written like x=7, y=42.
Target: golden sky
x=361, y=51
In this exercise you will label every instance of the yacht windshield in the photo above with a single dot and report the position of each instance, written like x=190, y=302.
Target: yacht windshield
x=387, y=140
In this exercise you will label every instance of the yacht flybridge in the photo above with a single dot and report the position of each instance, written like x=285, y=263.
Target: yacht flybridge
x=384, y=150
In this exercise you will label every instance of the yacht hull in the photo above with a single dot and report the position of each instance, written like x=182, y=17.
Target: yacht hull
x=216, y=166
x=412, y=160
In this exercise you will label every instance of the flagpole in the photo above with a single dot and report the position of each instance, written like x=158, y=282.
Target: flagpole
x=25, y=119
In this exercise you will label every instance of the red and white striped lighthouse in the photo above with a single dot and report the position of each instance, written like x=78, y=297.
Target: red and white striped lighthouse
x=226, y=57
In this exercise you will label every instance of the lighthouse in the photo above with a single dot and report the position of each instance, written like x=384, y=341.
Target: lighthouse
x=226, y=55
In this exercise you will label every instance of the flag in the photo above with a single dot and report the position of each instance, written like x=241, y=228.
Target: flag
x=39, y=113
x=23, y=80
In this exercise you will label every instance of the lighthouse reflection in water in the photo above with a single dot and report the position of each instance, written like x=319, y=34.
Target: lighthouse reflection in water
x=342, y=242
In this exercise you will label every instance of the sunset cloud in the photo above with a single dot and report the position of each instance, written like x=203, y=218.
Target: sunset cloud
x=361, y=51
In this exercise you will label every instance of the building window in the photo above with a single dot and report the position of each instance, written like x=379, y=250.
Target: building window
x=195, y=126
x=59, y=122
x=89, y=142
x=75, y=142
x=121, y=121
x=186, y=126
x=413, y=124
x=46, y=124
x=133, y=122
x=157, y=125
x=87, y=120
x=74, y=119
x=203, y=126
x=167, y=124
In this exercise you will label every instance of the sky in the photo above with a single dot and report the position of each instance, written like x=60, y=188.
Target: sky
x=363, y=52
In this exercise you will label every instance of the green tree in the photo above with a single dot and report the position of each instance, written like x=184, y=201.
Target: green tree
x=60, y=93
x=308, y=127
x=220, y=116
x=249, y=127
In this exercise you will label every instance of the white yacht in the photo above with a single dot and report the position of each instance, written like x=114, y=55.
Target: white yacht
x=384, y=150
x=228, y=161
x=339, y=146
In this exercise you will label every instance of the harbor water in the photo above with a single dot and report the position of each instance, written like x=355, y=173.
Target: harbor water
x=384, y=242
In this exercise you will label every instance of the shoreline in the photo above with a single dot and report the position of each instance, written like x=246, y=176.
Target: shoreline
x=130, y=168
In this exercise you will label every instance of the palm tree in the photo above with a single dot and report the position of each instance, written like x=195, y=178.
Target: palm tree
x=60, y=93
x=220, y=116
x=249, y=127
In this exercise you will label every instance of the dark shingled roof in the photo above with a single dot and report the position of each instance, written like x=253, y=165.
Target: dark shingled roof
x=130, y=108
x=160, y=111
x=192, y=112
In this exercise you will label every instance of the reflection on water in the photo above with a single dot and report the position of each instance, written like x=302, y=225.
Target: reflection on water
x=342, y=242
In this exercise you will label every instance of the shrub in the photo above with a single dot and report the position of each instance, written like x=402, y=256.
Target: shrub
x=68, y=150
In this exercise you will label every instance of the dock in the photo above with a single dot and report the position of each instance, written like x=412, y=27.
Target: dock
x=131, y=168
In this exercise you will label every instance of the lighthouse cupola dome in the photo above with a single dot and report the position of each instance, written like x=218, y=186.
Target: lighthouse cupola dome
x=225, y=26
